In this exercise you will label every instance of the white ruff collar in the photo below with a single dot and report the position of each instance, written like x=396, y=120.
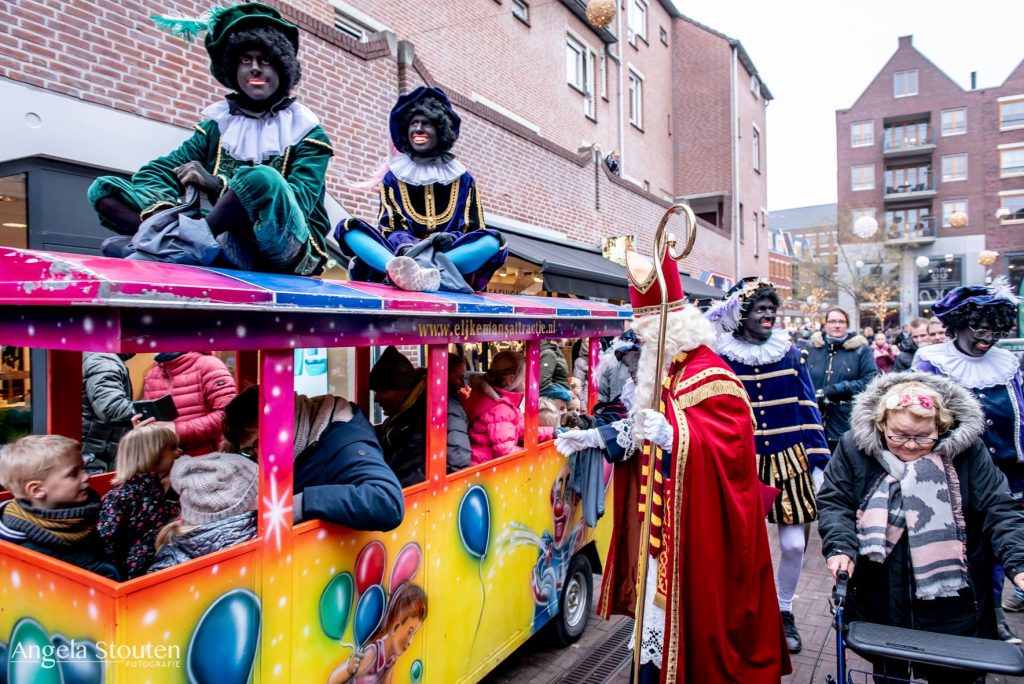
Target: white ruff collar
x=427, y=171
x=996, y=367
x=255, y=140
x=771, y=351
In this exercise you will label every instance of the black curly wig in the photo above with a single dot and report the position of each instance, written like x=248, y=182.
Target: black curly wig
x=431, y=108
x=1000, y=316
x=277, y=48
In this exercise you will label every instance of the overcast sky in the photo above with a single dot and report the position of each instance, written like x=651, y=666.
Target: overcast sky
x=817, y=56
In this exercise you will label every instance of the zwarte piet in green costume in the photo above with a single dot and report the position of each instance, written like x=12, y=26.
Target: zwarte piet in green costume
x=259, y=157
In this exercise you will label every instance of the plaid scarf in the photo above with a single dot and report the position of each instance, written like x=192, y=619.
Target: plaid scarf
x=921, y=497
x=60, y=526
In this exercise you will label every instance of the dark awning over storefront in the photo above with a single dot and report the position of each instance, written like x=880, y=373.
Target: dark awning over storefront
x=569, y=268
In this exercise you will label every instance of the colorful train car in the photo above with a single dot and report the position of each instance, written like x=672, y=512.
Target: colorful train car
x=499, y=549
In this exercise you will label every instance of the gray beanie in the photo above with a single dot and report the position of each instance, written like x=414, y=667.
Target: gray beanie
x=214, y=486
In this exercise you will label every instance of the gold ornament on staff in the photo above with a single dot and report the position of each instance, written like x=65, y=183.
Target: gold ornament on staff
x=663, y=242
x=600, y=13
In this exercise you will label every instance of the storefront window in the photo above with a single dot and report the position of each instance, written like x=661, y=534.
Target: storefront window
x=15, y=365
x=940, y=276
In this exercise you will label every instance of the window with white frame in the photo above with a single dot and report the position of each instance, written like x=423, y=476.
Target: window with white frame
x=904, y=83
x=954, y=121
x=756, y=151
x=579, y=71
x=1011, y=206
x=1011, y=113
x=755, y=86
x=352, y=25
x=954, y=167
x=1011, y=160
x=862, y=133
x=950, y=207
x=636, y=99
x=637, y=20
x=863, y=177
x=521, y=11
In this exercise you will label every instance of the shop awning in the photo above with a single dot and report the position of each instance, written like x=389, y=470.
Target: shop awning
x=571, y=268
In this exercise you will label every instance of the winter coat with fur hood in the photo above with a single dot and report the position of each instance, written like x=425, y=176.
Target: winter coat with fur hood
x=495, y=421
x=994, y=522
x=841, y=369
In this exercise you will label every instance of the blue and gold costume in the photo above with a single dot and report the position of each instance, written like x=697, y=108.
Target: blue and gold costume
x=788, y=432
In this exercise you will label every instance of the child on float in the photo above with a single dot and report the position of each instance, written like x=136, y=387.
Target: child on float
x=548, y=419
x=259, y=156
x=218, y=494
x=141, y=503
x=425, y=195
x=407, y=610
x=54, y=511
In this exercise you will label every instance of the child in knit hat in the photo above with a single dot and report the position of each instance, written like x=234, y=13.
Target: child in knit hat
x=218, y=495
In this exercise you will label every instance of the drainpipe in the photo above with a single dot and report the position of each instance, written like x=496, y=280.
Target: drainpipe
x=618, y=88
x=734, y=141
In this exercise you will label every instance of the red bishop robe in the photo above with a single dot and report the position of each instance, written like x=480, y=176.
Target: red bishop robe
x=722, y=621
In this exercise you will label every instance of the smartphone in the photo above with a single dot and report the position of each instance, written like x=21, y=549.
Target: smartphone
x=162, y=409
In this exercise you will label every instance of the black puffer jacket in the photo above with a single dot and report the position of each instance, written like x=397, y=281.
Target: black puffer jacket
x=842, y=369
x=106, y=405
x=884, y=592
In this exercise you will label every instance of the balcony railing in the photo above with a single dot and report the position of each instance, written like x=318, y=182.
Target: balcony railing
x=924, y=230
x=895, y=190
x=905, y=139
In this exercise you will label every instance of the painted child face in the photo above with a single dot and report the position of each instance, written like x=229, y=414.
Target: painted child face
x=757, y=326
x=66, y=485
x=422, y=135
x=402, y=634
x=257, y=77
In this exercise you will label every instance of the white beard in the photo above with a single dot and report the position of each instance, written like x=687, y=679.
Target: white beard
x=687, y=329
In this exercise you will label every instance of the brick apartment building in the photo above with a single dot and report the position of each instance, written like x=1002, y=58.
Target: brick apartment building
x=93, y=87
x=913, y=150
x=811, y=241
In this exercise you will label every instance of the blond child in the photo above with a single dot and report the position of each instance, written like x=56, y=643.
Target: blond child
x=407, y=610
x=141, y=504
x=218, y=495
x=548, y=418
x=54, y=511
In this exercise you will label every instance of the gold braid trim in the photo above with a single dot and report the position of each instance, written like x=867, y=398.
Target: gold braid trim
x=216, y=164
x=200, y=129
x=774, y=402
x=431, y=220
x=784, y=430
x=319, y=143
x=684, y=383
x=284, y=162
x=773, y=374
x=156, y=207
x=673, y=638
x=394, y=211
x=714, y=388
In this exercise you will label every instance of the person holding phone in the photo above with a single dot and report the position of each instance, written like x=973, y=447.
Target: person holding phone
x=107, y=408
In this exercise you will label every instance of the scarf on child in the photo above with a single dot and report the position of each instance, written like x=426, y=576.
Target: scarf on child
x=60, y=526
x=313, y=415
x=923, y=498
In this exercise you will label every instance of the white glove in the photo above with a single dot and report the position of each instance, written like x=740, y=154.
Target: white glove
x=571, y=441
x=657, y=430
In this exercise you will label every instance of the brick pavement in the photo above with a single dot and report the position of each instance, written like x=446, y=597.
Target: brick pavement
x=539, y=662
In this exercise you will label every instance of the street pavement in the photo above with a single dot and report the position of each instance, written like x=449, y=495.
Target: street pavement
x=540, y=663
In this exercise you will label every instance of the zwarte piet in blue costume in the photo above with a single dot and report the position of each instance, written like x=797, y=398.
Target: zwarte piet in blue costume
x=788, y=434
x=430, y=230
x=258, y=156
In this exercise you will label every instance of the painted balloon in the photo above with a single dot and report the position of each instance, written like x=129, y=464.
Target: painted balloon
x=369, y=614
x=370, y=566
x=3, y=663
x=29, y=638
x=416, y=671
x=475, y=521
x=223, y=647
x=84, y=666
x=336, y=605
x=407, y=564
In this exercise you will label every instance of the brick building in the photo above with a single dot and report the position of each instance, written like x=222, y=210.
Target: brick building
x=94, y=87
x=811, y=240
x=915, y=149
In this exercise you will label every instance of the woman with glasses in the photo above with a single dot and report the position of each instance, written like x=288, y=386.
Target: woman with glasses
x=841, y=364
x=915, y=511
x=976, y=317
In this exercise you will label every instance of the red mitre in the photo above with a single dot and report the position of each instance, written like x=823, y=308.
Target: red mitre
x=644, y=293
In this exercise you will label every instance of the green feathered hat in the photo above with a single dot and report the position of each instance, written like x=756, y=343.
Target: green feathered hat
x=220, y=22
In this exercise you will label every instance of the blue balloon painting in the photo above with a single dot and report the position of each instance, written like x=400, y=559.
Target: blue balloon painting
x=369, y=614
x=84, y=666
x=223, y=647
x=416, y=671
x=28, y=642
x=475, y=521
